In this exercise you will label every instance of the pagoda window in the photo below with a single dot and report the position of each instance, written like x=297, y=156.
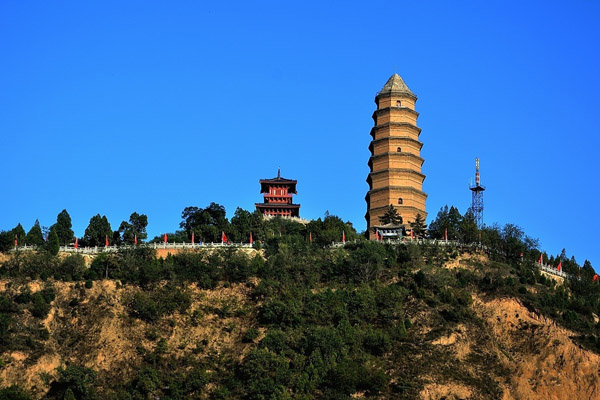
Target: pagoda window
x=399, y=149
x=400, y=201
x=398, y=103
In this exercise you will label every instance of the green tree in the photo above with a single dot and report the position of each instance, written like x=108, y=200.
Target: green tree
x=454, y=220
x=13, y=392
x=438, y=226
x=69, y=395
x=241, y=225
x=53, y=244
x=63, y=228
x=34, y=236
x=419, y=227
x=391, y=216
x=80, y=381
x=447, y=220
x=491, y=236
x=97, y=231
x=264, y=375
x=206, y=223
x=116, y=239
x=135, y=227
x=513, y=237
x=40, y=307
x=328, y=230
x=19, y=233
x=7, y=241
x=467, y=229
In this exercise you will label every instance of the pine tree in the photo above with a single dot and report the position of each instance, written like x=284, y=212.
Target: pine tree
x=53, y=244
x=63, y=227
x=391, y=216
x=439, y=224
x=19, y=233
x=34, y=236
x=467, y=229
x=419, y=227
x=97, y=231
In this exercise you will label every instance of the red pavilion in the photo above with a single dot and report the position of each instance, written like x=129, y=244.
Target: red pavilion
x=277, y=194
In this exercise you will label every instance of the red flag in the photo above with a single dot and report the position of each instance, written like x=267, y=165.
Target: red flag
x=135, y=239
x=559, y=266
x=377, y=235
x=165, y=238
x=223, y=237
x=595, y=277
x=106, y=241
x=343, y=237
x=192, y=237
x=411, y=235
x=310, y=237
x=76, y=243
x=16, y=241
x=541, y=260
x=251, y=241
x=446, y=234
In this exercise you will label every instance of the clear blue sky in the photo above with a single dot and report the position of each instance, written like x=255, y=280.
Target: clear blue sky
x=113, y=107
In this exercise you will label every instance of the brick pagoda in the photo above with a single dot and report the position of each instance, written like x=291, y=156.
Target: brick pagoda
x=395, y=177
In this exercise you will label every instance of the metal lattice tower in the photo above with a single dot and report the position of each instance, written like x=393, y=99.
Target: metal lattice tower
x=477, y=197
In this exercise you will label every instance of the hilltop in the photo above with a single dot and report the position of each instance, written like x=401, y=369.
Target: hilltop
x=296, y=321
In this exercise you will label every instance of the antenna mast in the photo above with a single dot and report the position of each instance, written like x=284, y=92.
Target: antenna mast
x=477, y=197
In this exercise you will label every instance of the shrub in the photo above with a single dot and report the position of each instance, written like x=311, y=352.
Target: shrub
x=44, y=334
x=79, y=380
x=143, y=306
x=5, y=321
x=48, y=294
x=377, y=342
x=264, y=375
x=13, y=392
x=23, y=297
x=275, y=340
x=570, y=316
x=279, y=311
x=40, y=308
x=74, y=266
x=250, y=336
x=161, y=346
x=149, y=306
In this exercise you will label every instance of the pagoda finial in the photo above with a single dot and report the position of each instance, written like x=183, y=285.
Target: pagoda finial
x=279, y=172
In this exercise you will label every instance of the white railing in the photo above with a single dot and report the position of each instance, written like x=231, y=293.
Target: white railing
x=552, y=270
x=113, y=249
x=413, y=241
x=544, y=267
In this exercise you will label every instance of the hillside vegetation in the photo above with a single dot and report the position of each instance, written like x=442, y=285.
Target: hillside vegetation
x=296, y=321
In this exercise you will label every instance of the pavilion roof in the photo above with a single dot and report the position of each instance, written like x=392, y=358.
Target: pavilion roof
x=278, y=180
